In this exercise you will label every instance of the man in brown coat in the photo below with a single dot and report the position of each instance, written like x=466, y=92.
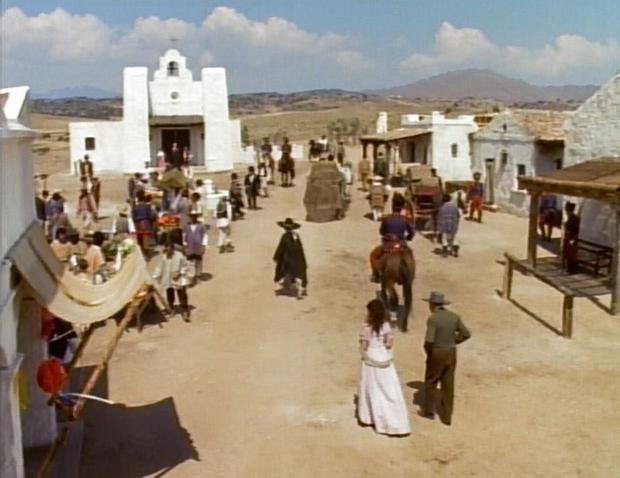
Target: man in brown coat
x=444, y=330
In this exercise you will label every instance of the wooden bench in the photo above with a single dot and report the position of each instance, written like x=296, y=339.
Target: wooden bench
x=513, y=263
x=594, y=257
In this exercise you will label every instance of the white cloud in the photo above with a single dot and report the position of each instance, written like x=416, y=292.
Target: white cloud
x=59, y=36
x=568, y=55
x=254, y=51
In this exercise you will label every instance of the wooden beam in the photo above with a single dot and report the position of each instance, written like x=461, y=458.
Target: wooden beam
x=508, y=273
x=532, y=237
x=567, y=316
x=615, y=269
x=600, y=192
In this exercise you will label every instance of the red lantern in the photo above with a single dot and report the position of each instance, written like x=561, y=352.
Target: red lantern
x=51, y=376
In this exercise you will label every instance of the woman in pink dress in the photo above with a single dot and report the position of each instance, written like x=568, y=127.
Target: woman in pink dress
x=380, y=400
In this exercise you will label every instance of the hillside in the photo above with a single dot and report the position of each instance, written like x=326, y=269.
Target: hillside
x=475, y=83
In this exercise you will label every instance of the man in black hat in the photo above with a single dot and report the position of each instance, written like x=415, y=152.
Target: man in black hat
x=444, y=330
x=290, y=258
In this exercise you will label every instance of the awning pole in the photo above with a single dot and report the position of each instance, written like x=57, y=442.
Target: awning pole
x=45, y=469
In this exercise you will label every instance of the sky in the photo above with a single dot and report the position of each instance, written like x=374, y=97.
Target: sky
x=288, y=45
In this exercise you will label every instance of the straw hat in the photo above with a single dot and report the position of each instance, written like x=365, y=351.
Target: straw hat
x=123, y=210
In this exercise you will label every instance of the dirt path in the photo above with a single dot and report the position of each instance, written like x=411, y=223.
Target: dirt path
x=264, y=385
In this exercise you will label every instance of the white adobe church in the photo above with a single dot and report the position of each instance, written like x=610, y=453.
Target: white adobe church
x=169, y=108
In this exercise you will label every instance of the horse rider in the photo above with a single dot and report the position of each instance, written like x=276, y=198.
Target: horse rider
x=396, y=231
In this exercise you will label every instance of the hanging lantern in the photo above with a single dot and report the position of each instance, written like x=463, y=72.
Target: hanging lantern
x=51, y=376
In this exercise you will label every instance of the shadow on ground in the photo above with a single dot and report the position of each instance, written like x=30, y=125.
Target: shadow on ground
x=133, y=442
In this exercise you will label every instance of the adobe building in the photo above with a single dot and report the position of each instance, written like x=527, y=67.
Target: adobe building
x=168, y=108
x=26, y=419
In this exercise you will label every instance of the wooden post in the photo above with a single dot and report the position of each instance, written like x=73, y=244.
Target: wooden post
x=567, y=316
x=532, y=237
x=374, y=151
x=615, y=269
x=508, y=272
x=364, y=149
x=388, y=157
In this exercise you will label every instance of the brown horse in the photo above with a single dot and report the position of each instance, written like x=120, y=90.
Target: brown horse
x=398, y=268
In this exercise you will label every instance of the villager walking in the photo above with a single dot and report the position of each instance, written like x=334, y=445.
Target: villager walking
x=444, y=331
x=236, y=197
x=172, y=276
x=252, y=187
x=570, y=241
x=291, y=267
x=195, y=240
x=95, y=259
x=548, y=215
x=223, y=215
x=448, y=218
x=475, y=196
x=378, y=196
x=87, y=209
x=363, y=170
x=380, y=400
x=85, y=167
x=143, y=218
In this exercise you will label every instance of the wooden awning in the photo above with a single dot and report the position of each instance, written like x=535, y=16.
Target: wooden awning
x=394, y=135
x=596, y=179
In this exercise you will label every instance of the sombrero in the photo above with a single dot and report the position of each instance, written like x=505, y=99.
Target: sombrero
x=289, y=224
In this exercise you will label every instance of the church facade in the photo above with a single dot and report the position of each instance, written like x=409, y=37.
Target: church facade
x=169, y=108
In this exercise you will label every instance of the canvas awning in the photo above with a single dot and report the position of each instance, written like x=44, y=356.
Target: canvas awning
x=66, y=296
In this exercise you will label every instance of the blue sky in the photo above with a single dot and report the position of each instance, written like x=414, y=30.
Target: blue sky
x=292, y=45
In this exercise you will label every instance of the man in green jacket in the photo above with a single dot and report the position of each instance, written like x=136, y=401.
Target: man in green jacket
x=444, y=330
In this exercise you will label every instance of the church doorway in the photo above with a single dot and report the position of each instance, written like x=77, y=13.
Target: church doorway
x=178, y=136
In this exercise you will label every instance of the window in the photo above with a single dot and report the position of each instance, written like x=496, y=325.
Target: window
x=173, y=68
x=521, y=170
x=89, y=143
x=454, y=149
x=504, y=158
x=559, y=163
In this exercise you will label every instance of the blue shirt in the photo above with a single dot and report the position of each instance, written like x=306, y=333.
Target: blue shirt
x=396, y=225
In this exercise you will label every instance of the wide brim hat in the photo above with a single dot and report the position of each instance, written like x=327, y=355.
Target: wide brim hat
x=437, y=298
x=289, y=224
x=123, y=210
x=195, y=212
x=376, y=177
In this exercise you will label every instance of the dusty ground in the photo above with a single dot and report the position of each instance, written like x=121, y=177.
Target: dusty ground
x=262, y=386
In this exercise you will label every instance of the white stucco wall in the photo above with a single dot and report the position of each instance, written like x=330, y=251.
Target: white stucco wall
x=36, y=426
x=135, y=145
x=593, y=131
x=521, y=148
x=174, y=95
x=219, y=153
x=127, y=145
x=107, y=155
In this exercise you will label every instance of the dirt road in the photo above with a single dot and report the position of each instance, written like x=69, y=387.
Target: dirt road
x=263, y=386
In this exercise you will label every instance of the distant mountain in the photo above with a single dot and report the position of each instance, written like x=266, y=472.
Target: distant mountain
x=476, y=83
x=76, y=92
